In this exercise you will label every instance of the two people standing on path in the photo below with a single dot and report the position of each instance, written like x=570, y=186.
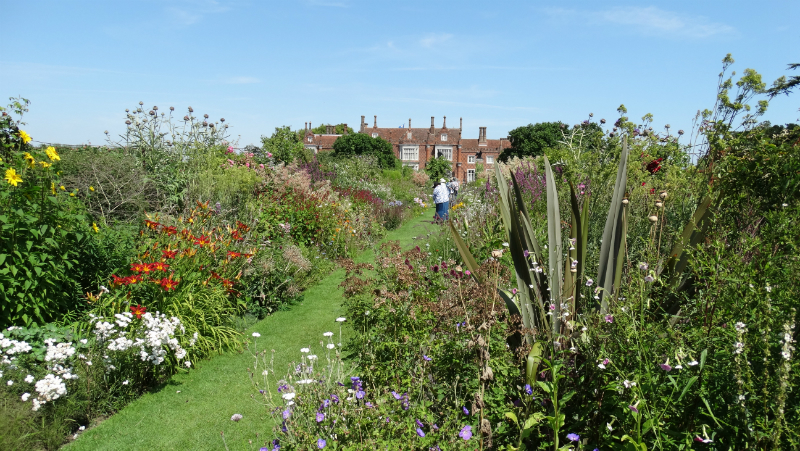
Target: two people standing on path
x=453, y=187
x=441, y=197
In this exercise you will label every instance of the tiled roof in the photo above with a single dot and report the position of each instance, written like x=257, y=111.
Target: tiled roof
x=418, y=135
x=322, y=141
x=471, y=145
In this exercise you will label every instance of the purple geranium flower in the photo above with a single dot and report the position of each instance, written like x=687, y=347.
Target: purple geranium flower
x=420, y=433
x=320, y=417
x=419, y=423
x=426, y=358
x=321, y=443
x=609, y=318
x=573, y=437
x=335, y=399
x=465, y=410
x=286, y=414
x=466, y=432
x=396, y=396
x=666, y=367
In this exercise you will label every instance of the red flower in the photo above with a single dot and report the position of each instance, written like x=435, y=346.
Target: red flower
x=138, y=310
x=227, y=283
x=654, y=165
x=235, y=235
x=168, y=283
x=152, y=224
x=215, y=275
x=158, y=266
x=232, y=254
x=139, y=267
x=171, y=230
x=169, y=254
x=242, y=227
x=202, y=240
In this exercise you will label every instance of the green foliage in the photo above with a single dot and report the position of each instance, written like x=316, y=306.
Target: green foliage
x=338, y=129
x=438, y=168
x=363, y=144
x=532, y=140
x=284, y=146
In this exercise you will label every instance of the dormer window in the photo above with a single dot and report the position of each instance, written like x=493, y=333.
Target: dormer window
x=444, y=137
x=310, y=139
x=374, y=135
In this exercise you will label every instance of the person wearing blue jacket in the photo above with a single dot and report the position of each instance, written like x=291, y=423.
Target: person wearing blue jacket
x=441, y=197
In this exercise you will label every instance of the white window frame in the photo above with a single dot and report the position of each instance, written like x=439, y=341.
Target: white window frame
x=489, y=159
x=409, y=153
x=470, y=175
x=444, y=136
x=374, y=135
x=446, y=152
x=471, y=159
x=310, y=139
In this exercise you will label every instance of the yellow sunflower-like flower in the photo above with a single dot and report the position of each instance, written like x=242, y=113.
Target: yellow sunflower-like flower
x=45, y=164
x=62, y=188
x=29, y=158
x=94, y=226
x=71, y=194
x=52, y=154
x=26, y=138
x=53, y=188
x=91, y=188
x=12, y=177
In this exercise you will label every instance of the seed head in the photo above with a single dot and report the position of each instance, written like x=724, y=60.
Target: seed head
x=659, y=204
x=152, y=113
x=185, y=118
x=205, y=116
x=172, y=108
x=602, y=121
x=191, y=110
x=222, y=119
x=680, y=132
x=128, y=122
x=141, y=103
x=155, y=108
x=663, y=195
x=653, y=218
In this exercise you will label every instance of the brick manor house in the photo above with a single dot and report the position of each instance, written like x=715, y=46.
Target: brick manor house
x=415, y=146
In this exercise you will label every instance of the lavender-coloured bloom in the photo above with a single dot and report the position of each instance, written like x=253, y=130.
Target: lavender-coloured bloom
x=360, y=394
x=396, y=396
x=666, y=367
x=525, y=253
x=320, y=417
x=465, y=410
x=435, y=448
x=419, y=423
x=609, y=318
x=283, y=427
x=420, y=433
x=634, y=409
x=528, y=389
x=573, y=437
x=426, y=358
x=466, y=432
x=335, y=399
x=435, y=427
x=368, y=404
x=355, y=378
x=321, y=443
x=286, y=414
x=325, y=404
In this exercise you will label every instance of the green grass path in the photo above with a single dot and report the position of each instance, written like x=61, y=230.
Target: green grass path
x=193, y=408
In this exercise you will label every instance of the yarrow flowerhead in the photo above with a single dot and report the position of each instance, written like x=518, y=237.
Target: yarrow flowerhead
x=236, y=417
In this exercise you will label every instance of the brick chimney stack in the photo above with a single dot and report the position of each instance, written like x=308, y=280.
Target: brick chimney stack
x=363, y=125
x=376, y=122
x=431, y=124
x=409, y=123
x=306, y=129
x=329, y=129
x=482, y=136
x=444, y=121
x=460, y=123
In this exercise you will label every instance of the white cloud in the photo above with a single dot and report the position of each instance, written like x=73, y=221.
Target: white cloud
x=241, y=80
x=651, y=20
x=435, y=39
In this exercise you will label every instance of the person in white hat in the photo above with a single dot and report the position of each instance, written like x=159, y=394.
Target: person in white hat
x=441, y=197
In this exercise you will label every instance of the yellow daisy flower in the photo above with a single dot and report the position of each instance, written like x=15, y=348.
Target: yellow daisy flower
x=26, y=138
x=62, y=188
x=53, y=188
x=71, y=194
x=52, y=154
x=12, y=177
x=94, y=226
x=45, y=164
x=29, y=158
x=91, y=188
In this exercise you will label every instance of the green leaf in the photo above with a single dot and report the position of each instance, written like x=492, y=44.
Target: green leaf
x=555, y=260
x=463, y=249
x=532, y=362
x=513, y=417
x=609, y=249
x=703, y=358
x=533, y=419
x=545, y=386
x=687, y=387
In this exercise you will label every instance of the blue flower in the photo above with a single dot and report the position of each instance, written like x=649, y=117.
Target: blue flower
x=286, y=414
x=426, y=358
x=528, y=389
x=466, y=411
x=573, y=437
x=321, y=443
x=420, y=433
x=396, y=396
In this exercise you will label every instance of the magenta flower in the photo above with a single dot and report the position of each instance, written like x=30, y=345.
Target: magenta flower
x=513, y=291
x=467, y=272
x=666, y=367
x=609, y=318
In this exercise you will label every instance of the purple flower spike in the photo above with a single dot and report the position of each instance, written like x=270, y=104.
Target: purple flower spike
x=466, y=432
x=420, y=433
x=321, y=443
x=573, y=437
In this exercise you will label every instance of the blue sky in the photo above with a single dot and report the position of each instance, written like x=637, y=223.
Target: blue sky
x=262, y=64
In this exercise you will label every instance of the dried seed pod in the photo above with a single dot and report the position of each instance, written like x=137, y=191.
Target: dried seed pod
x=185, y=118
x=663, y=195
x=205, y=116
x=653, y=218
x=191, y=110
x=141, y=103
x=625, y=201
x=659, y=204
x=172, y=108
